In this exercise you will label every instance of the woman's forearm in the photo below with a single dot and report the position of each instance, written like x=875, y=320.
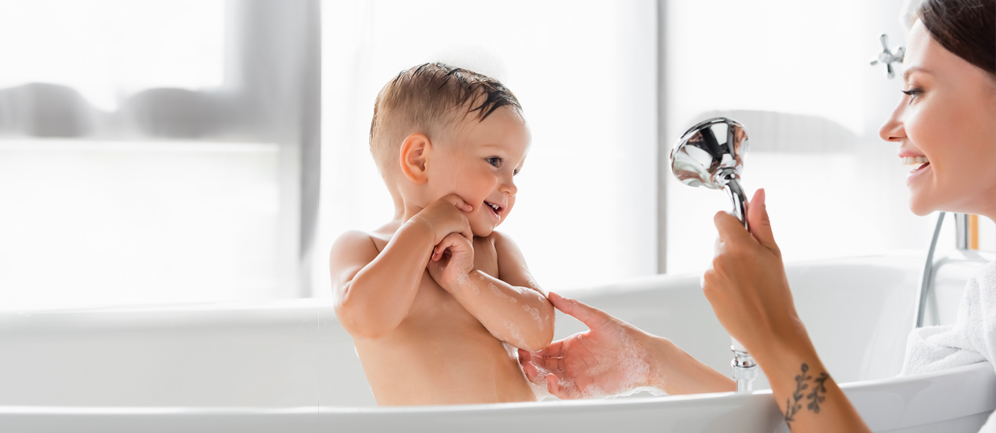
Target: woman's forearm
x=807, y=395
x=676, y=372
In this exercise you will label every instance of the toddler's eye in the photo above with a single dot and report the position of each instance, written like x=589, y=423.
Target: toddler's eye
x=495, y=161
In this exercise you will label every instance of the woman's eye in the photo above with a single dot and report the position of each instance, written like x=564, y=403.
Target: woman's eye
x=495, y=161
x=913, y=93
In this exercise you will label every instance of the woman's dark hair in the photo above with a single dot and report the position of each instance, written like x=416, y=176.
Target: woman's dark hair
x=966, y=28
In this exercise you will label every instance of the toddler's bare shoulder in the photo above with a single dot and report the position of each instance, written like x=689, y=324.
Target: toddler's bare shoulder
x=353, y=237
x=353, y=245
x=502, y=241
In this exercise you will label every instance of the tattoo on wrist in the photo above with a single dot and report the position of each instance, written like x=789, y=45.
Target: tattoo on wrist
x=793, y=404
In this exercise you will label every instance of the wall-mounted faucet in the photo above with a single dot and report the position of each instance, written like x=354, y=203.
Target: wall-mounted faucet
x=710, y=154
x=888, y=57
x=966, y=237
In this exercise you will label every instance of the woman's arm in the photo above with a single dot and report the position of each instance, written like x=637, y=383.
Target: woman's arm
x=749, y=293
x=614, y=357
x=808, y=397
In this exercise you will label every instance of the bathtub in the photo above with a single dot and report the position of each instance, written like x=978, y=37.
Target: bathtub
x=288, y=366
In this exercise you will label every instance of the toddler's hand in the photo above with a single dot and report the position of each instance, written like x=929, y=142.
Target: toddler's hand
x=452, y=261
x=446, y=216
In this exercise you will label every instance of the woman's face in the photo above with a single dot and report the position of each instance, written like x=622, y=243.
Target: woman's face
x=946, y=127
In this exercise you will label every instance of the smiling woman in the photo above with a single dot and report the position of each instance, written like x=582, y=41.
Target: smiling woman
x=944, y=124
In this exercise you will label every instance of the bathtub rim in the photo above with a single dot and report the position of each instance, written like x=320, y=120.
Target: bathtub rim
x=764, y=408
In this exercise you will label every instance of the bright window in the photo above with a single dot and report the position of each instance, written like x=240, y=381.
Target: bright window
x=107, y=49
x=100, y=223
x=585, y=72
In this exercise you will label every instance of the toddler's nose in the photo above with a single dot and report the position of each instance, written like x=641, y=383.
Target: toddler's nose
x=508, y=188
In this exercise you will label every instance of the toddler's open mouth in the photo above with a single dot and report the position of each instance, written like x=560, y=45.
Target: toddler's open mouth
x=495, y=208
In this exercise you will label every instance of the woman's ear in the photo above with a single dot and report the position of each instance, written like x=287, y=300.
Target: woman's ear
x=415, y=158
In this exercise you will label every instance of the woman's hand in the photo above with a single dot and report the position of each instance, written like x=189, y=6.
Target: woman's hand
x=750, y=295
x=607, y=359
x=747, y=286
x=614, y=357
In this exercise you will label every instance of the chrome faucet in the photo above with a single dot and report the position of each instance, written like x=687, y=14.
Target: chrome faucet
x=710, y=154
x=888, y=57
x=930, y=265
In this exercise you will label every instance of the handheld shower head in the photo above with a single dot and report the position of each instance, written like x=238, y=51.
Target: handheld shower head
x=710, y=154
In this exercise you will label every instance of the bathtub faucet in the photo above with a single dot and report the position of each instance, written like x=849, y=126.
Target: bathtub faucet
x=700, y=158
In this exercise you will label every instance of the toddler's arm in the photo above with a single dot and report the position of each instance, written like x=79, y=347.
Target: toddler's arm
x=373, y=292
x=512, y=307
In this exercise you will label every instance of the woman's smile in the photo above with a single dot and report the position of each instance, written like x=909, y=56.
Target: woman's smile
x=917, y=172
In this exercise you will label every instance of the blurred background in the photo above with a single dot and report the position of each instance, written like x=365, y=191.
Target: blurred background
x=182, y=151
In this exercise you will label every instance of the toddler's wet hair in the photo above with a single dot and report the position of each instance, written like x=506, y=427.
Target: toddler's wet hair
x=428, y=98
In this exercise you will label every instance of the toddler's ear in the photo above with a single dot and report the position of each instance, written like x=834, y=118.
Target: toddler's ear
x=414, y=157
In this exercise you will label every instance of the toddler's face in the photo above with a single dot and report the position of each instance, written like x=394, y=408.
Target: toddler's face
x=478, y=164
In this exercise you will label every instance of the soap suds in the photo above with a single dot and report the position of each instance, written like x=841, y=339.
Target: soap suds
x=500, y=294
x=532, y=284
x=534, y=313
x=629, y=362
x=477, y=290
x=514, y=334
x=512, y=351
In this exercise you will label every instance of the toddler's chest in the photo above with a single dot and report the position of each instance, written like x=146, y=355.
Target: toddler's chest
x=432, y=300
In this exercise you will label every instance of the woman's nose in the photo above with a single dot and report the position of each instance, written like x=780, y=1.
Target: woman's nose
x=893, y=129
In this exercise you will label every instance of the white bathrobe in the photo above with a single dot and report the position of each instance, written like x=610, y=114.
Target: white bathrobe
x=970, y=340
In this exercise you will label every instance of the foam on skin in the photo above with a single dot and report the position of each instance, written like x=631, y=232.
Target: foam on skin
x=534, y=313
x=464, y=280
x=477, y=290
x=628, y=363
x=500, y=294
x=516, y=336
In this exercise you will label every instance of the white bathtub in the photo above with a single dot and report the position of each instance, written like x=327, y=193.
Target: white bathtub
x=288, y=367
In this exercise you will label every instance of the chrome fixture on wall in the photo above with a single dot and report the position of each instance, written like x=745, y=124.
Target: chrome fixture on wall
x=962, y=242
x=710, y=154
x=888, y=57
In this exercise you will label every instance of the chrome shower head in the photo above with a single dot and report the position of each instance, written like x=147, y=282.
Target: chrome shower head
x=710, y=154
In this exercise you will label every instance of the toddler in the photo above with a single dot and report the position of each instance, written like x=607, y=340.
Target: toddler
x=436, y=300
